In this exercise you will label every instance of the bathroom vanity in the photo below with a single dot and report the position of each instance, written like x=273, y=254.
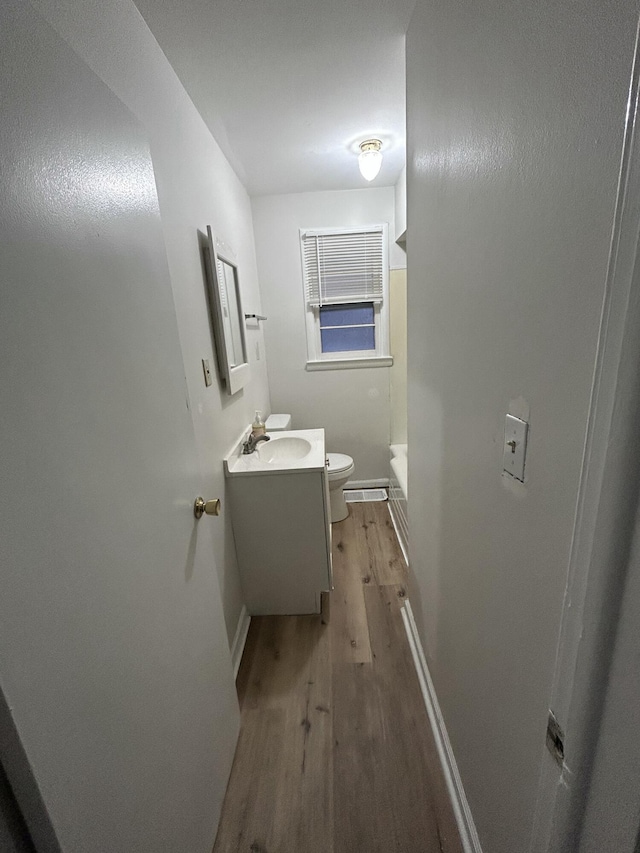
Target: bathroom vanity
x=279, y=498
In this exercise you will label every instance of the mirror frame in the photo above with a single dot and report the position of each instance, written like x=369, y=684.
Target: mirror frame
x=234, y=377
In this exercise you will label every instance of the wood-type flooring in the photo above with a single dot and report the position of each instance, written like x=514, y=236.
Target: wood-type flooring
x=335, y=753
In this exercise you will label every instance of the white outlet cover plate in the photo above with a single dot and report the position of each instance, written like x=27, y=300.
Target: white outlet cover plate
x=513, y=457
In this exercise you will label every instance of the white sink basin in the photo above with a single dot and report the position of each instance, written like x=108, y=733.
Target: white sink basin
x=293, y=451
x=284, y=448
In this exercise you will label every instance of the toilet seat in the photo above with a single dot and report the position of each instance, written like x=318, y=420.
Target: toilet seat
x=338, y=462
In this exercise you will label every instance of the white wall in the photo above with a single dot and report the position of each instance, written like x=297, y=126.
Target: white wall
x=352, y=405
x=515, y=124
x=196, y=187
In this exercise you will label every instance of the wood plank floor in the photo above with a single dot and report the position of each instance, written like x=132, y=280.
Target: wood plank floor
x=335, y=752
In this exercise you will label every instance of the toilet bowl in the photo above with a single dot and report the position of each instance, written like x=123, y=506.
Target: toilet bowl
x=340, y=467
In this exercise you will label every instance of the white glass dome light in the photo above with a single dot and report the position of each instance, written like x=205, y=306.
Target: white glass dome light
x=370, y=158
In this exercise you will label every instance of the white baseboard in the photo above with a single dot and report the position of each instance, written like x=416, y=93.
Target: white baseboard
x=462, y=812
x=237, y=647
x=368, y=484
x=399, y=536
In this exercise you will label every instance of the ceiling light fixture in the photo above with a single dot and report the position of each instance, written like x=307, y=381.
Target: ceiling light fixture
x=370, y=158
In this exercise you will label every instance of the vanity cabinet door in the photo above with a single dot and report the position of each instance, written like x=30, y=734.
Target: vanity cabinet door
x=282, y=541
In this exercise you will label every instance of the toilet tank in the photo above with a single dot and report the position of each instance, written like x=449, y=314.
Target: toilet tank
x=277, y=423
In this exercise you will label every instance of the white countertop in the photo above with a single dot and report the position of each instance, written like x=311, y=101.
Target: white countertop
x=239, y=464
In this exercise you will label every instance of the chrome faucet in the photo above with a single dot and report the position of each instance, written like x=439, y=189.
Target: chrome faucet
x=252, y=442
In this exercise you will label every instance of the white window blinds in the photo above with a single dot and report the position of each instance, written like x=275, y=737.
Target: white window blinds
x=345, y=266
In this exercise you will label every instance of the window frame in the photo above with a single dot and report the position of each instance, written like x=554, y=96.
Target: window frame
x=381, y=355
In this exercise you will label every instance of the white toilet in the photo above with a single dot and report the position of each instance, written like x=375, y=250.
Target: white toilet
x=340, y=467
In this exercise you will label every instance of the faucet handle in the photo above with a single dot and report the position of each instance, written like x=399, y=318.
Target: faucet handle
x=252, y=442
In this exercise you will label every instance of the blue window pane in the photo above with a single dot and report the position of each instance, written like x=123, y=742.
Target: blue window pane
x=354, y=314
x=343, y=340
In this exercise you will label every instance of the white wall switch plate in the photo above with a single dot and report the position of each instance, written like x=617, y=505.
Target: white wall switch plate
x=206, y=369
x=515, y=446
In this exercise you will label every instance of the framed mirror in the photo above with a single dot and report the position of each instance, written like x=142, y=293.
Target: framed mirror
x=225, y=304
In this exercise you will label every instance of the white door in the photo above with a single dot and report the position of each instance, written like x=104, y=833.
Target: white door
x=113, y=656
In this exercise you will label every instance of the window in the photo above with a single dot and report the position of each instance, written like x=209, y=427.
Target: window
x=346, y=286
x=347, y=328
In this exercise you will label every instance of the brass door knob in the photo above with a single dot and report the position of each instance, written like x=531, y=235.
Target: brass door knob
x=201, y=507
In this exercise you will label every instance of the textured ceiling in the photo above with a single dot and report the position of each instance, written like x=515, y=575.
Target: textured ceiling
x=290, y=87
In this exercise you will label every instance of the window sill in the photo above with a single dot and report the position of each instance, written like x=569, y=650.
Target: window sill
x=350, y=363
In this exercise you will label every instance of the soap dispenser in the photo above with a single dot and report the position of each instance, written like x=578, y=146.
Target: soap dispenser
x=258, y=426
